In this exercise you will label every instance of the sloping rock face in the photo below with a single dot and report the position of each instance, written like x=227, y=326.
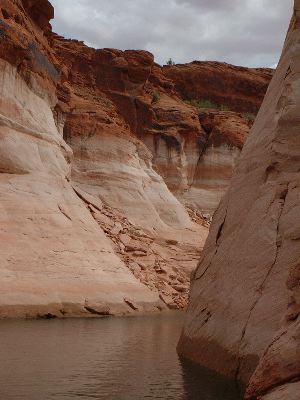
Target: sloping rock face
x=237, y=88
x=55, y=260
x=99, y=94
x=246, y=287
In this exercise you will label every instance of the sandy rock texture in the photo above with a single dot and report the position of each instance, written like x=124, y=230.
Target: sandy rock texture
x=244, y=305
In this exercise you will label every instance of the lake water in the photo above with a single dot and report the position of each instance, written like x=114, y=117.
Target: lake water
x=113, y=359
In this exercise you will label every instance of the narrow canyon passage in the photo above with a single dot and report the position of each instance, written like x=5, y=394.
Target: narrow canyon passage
x=131, y=192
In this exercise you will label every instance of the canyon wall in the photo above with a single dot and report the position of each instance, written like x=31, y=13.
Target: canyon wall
x=55, y=259
x=105, y=173
x=244, y=303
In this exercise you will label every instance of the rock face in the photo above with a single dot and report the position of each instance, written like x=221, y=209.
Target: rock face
x=237, y=88
x=244, y=303
x=104, y=170
x=55, y=260
x=101, y=93
x=122, y=118
x=58, y=250
x=193, y=150
x=225, y=134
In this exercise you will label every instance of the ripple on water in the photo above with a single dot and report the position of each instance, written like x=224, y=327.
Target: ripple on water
x=112, y=359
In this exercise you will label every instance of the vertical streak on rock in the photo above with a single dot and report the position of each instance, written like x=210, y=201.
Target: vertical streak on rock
x=281, y=203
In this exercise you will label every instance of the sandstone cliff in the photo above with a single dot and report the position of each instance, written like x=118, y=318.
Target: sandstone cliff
x=237, y=88
x=72, y=237
x=193, y=149
x=103, y=96
x=244, y=304
x=55, y=260
x=104, y=172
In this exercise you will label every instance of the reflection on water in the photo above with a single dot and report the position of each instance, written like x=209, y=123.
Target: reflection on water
x=202, y=384
x=113, y=358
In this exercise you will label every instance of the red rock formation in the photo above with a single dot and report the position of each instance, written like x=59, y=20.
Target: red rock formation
x=236, y=88
x=120, y=99
x=41, y=12
x=144, y=100
x=106, y=144
x=241, y=311
x=99, y=89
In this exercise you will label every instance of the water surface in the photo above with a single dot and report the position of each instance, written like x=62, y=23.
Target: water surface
x=113, y=359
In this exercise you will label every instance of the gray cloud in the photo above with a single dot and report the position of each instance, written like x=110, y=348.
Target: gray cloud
x=240, y=32
x=216, y=5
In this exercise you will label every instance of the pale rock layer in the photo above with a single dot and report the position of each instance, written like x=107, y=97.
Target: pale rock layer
x=159, y=242
x=197, y=167
x=84, y=231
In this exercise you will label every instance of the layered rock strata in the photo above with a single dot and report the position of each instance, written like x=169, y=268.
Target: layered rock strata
x=98, y=89
x=194, y=150
x=57, y=259
x=244, y=303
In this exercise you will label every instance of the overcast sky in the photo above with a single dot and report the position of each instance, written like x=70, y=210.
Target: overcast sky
x=241, y=32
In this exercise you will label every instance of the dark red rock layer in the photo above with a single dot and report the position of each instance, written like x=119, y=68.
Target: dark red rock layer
x=235, y=88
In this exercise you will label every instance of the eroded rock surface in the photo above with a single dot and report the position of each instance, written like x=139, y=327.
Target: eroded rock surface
x=244, y=304
x=237, y=88
x=99, y=93
x=194, y=150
